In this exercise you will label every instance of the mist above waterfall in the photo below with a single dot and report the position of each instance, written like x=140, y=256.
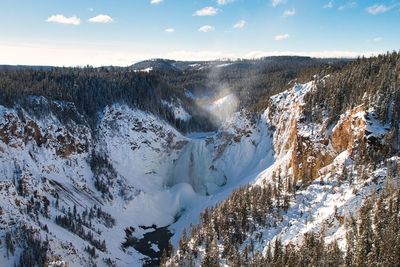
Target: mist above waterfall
x=224, y=107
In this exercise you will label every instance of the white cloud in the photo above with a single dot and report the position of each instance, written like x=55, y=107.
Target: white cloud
x=101, y=19
x=289, y=13
x=278, y=2
x=206, y=28
x=207, y=11
x=155, y=2
x=61, y=19
x=348, y=5
x=281, y=37
x=377, y=9
x=224, y=2
x=240, y=24
x=328, y=5
x=169, y=30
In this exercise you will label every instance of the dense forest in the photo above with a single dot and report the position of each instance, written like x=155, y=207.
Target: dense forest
x=91, y=89
x=233, y=232
x=229, y=233
x=373, y=81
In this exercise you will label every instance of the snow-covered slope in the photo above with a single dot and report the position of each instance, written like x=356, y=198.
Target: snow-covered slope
x=89, y=194
x=318, y=175
x=114, y=194
x=121, y=170
x=310, y=154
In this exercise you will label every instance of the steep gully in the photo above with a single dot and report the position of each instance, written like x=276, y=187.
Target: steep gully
x=211, y=165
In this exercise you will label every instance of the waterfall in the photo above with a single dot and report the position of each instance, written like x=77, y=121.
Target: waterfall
x=194, y=167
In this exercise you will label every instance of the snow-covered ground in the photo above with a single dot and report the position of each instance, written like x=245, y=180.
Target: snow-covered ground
x=324, y=203
x=157, y=176
x=179, y=112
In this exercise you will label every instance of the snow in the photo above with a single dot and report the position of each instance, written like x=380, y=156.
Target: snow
x=224, y=65
x=147, y=70
x=179, y=112
x=152, y=183
x=131, y=138
x=294, y=95
x=155, y=247
x=373, y=126
x=318, y=208
x=239, y=164
x=165, y=178
x=200, y=135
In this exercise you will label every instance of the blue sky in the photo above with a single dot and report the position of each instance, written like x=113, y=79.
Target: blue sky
x=119, y=32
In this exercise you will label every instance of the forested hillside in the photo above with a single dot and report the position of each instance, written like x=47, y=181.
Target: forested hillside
x=333, y=197
x=91, y=89
x=281, y=161
x=374, y=82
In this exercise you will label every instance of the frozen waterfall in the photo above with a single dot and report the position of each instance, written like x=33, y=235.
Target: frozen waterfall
x=195, y=167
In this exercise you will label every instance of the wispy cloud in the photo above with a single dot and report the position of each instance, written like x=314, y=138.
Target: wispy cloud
x=240, y=24
x=101, y=19
x=224, y=2
x=378, y=9
x=169, y=30
x=206, y=28
x=207, y=11
x=156, y=2
x=61, y=19
x=278, y=2
x=348, y=5
x=377, y=40
x=289, y=13
x=281, y=37
x=328, y=5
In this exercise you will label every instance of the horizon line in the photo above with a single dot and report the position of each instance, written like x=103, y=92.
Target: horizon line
x=262, y=55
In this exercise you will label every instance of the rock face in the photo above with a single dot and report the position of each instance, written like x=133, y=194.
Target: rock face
x=19, y=130
x=309, y=147
x=349, y=130
x=308, y=157
x=303, y=145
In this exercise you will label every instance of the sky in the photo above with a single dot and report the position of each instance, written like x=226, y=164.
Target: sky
x=121, y=32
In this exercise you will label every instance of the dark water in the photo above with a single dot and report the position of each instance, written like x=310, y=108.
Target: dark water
x=159, y=237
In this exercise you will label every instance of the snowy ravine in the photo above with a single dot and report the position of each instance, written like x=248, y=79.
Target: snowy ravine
x=135, y=171
x=115, y=193
x=321, y=161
